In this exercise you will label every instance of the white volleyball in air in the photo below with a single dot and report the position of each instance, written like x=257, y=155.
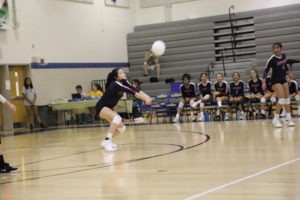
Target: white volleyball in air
x=158, y=48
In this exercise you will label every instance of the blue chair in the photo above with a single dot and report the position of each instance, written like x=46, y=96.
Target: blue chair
x=175, y=87
x=160, y=111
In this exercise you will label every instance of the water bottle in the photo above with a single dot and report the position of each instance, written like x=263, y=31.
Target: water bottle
x=238, y=115
x=206, y=115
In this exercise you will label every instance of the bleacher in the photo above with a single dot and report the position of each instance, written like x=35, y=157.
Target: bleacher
x=193, y=44
x=207, y=45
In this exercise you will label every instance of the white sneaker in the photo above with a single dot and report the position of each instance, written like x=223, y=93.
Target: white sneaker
x=289, y=122
x=242, y=117
x=201, y=118
x=107, y=145
x=276, y=123
x=191, y=118
x=176, y=120
x=113, y=145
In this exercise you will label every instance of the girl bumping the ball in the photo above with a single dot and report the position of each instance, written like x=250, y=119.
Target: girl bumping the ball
x=116, y=85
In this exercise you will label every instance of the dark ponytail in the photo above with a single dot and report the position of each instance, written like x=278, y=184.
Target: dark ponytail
x=111, y=77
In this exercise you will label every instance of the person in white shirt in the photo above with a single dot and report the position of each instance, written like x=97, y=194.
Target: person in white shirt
x=5, y=167
x=29, y=103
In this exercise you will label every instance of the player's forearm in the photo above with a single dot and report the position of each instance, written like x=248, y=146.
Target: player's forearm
x=2, y=99
x=141, y=95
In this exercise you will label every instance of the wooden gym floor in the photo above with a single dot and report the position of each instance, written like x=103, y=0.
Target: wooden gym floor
x=237, y=160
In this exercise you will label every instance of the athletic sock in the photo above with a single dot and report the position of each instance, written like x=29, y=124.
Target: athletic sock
x=109, y=136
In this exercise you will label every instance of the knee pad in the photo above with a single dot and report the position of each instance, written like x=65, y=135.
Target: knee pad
x=117, y=120
x=180, y=105
x=122, y=129
x=273, y=100
x=282, y=101
x=192, y=102
x=263, y=100
x=201, y=105
x=288, y=101
x=297, y=97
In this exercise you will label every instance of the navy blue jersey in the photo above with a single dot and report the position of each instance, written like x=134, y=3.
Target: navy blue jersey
x=222, y=88
x=189, y=91
x=279, y=68
x=269, y=84
x=293, y=87
x=255, y=87
x=237, y=90
x=204, y=89
x=114, y=93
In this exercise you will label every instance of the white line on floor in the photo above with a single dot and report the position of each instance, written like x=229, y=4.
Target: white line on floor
x=242, y=179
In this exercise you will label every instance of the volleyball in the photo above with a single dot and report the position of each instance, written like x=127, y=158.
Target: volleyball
x=158, y=48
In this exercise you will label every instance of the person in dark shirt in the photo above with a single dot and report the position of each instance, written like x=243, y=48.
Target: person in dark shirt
x=256, y=92
x=297, y=97
x=278, y=63
x=205, y=95
x=188, y=92
x=294, y=91
x=5, y=167
x=237, y=92
x=220, y=93
x=116, y=85
x=269, y=92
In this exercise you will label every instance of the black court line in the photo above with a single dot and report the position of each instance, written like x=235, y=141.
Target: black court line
x=181, y=148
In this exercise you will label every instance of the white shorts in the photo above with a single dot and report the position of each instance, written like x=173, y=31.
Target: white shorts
x=151, y=67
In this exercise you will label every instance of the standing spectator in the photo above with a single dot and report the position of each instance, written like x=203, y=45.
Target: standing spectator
x=30, y=97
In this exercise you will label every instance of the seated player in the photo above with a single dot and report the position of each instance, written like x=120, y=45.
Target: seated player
x=255, y=92
x=205, y=95
x=221, y=93
x=297, y=97
x=188, y=92
x=269, y=93
x=293, y=90
x=237, y=92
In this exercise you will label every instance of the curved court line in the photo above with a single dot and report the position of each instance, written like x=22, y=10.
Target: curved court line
x=99, y=164
x=207, y=138
x=242, y=179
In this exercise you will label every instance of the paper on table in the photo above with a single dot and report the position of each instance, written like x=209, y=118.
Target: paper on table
x=7, y=84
